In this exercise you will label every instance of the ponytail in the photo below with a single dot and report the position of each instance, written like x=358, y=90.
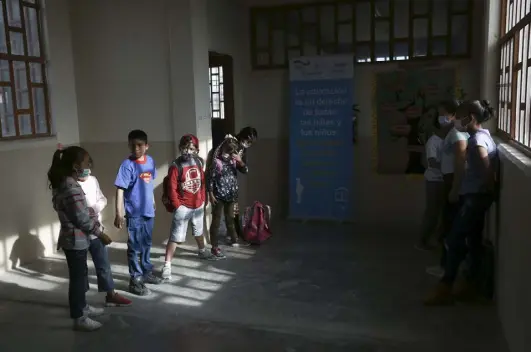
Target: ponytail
x=63, y=164
x=55, y=173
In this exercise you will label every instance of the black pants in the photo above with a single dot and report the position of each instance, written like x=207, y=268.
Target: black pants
x=449, y=212
x=466, y=237
x=78, y=284
x=226, y=208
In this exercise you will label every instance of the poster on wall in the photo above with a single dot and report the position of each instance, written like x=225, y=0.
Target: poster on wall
x=321, y=153
x=405, y=111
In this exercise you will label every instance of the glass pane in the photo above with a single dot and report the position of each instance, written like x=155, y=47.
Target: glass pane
x=459, y=35
x=35, y=72
x=401, y=51
x=327, y=23
x=381, y=51
x=401, y=18
x=293, y=26
x=279, y=48
x=363, y=26
x=13, y=13
x=32, y=31
x=420, y=35
x=381, y=8
x=24, y=125
x=21, y=84
x=309, y=40
x=262, y=30
x=39, y=110
x=344, y=12
x=363, y=53
x=309, y=15
x=345, y=34
x=440, y=18
x=438, y=47
x=4, y=71
x=17, y=43
x=3, y=45
x=420, y=7
x=7, y=116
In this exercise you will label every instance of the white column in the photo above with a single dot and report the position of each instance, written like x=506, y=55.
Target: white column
x=491, y=57
x=188, y=63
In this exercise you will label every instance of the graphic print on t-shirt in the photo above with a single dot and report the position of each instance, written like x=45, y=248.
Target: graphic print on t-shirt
x=192, y=180
x=145, y=176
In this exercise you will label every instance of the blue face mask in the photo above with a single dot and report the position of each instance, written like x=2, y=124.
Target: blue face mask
x=444, y=120
x=84, y=173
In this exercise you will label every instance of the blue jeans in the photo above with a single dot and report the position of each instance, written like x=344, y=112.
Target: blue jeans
x=466, y=237
x=139, y=244
x=78, y=284
x=100, y=258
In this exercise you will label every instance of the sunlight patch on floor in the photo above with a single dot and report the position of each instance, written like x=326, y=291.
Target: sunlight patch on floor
x=39, y=283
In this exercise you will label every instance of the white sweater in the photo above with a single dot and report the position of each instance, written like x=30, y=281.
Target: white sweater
x=95, y=198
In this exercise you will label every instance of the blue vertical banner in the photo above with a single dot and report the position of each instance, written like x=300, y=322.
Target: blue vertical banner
x=321, y=148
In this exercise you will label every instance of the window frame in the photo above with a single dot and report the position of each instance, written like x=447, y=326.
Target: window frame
x=512, y=34
x=273, y=14
x=28, y=62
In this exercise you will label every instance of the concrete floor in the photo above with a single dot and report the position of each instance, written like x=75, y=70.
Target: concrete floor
x=312, y=287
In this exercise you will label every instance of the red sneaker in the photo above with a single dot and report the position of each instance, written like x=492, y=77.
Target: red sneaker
x=117, y=300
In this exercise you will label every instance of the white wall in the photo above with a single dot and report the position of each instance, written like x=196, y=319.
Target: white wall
x=29, y=223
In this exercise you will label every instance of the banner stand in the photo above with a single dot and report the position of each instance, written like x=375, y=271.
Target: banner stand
x=321, y=152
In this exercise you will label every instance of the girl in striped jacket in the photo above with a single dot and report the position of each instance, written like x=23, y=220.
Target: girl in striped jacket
x=77, y=224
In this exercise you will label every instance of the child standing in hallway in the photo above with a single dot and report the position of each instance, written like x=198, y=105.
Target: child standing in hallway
x=222, y=188
x=186, y=193
x=434, y=187
x=478, y=190
x=77, y=224
x=96, y=202
x=135, y=207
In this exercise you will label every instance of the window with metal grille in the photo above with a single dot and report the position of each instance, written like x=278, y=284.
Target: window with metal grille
x=24, y=108
x=514, y=110
x=375, y=31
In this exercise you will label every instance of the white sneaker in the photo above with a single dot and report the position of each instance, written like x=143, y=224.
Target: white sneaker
x=91, y=311
x=166, y=271
x=436, y=271
x=86, y=324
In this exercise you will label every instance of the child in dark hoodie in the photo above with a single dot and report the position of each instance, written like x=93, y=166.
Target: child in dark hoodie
x=222, y=188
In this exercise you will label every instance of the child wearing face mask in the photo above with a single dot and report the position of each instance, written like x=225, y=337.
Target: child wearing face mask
x=452, y=169
x=77, y=226
x=222, y=188
x=478, y=190
x=186, y=192
x=434, y=186
x=96, y=201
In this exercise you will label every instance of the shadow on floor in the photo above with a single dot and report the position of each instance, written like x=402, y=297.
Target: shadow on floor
x=312, y=287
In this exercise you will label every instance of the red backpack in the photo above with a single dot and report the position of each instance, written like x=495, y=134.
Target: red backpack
x=256, y=228
x=166, y=182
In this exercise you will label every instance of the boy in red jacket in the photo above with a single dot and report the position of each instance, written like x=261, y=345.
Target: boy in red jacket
x=186, y=192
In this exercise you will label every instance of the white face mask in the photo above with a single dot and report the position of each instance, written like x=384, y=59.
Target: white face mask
x=444, y=120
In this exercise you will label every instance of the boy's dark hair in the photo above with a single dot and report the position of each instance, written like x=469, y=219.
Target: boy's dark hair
x=481, y=109
x=63, y=164
x=138, y=135
x=247, y=133
x=187, y=139
x=450, y=106
x=436, y=122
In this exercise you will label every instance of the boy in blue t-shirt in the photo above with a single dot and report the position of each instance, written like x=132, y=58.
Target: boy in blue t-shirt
x=135, y=206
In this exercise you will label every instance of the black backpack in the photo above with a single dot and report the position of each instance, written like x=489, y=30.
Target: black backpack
x=166, y=182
